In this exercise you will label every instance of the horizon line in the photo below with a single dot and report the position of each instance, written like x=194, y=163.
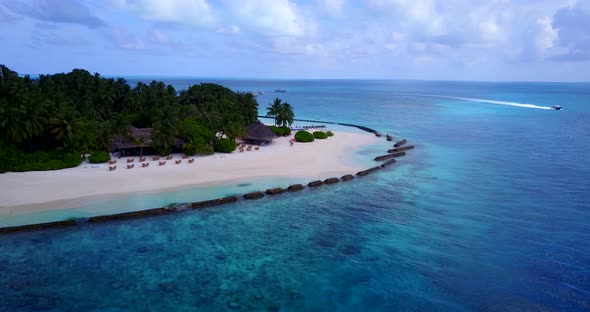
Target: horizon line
x=133, y=76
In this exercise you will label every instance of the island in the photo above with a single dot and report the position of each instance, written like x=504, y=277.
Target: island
x=71, y=137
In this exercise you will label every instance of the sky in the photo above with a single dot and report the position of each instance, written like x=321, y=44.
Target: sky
x=494, y=40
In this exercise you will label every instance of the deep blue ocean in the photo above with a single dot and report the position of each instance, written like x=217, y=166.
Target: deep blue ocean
x=490, y=212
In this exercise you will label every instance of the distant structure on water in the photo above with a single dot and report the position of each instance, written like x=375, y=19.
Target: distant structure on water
x=280, y=90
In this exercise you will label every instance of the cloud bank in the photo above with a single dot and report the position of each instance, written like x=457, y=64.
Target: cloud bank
x=424, y=39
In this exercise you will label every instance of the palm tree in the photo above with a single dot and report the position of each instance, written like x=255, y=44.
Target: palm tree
x=165, y=129
x=60, y=129
x=248, y=106
x=12, y=118
x=274, y=109
x=285, y=115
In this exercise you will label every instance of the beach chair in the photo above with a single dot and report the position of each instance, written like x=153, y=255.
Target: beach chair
x=112, y=168
x=161, y=163
x=257, y=148
x=112, y=162
x=130, y=160
x=184, y=156
x=169, y=157
x=130, y=166
x=142, y=159
x=155, y=158
x=145, y=165
x=192, y=160
x=178, y=161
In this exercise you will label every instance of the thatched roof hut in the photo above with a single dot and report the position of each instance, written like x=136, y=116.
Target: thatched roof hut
x=259, y=132
x=138, y=141
x=135, y=137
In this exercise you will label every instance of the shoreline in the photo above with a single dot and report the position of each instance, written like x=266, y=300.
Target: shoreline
x=28, y=192
x=191, y=205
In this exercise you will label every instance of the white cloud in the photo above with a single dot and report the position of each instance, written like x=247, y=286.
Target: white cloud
x=158, y=37
x=270, y=17
x=415, y=14
x=186, y=12
x=547, y=35
x=333, y=7
x=232, y=30
x=125, y=40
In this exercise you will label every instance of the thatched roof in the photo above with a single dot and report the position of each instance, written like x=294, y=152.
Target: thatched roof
x=134, y=137
x=143, y=133
x=259, y=132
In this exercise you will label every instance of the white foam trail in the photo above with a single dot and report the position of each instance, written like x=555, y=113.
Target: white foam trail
x=502, y=103
x=483, y=101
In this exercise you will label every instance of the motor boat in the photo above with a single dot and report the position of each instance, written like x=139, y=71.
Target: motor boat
x=556, y=107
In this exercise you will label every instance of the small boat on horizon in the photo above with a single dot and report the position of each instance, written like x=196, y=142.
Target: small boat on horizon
x=280, y=90
x=556, y=107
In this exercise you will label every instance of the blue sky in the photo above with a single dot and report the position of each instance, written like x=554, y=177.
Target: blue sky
x=506, y=40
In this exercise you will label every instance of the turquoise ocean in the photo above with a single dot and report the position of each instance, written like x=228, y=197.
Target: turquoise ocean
x=490, y=212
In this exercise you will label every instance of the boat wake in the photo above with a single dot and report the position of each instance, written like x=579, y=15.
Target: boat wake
x=525, y=105
x=503, y=103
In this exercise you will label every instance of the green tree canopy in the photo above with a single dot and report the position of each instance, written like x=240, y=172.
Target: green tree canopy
x=282, y=112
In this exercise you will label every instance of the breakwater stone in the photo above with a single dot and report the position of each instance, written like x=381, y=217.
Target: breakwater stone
x=388, y=163
x=389, y=137
x=368, y=171
x=331, y=180
x=131, y=215
x=400, y=143
x=213, y=202
x=400, y=149
x=254, y=195
x=347, y=177
x=275, y=191
x=315, y=183
x=388, y=156
x=39, y=226
x=377, y=134
x=295, y=188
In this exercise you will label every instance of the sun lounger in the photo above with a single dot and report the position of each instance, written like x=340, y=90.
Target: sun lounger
x=161, y=163
x=130, y=166
x=112, y=168
x=178, y=161
x=145, y=165
x=112, y=162
x=130, y=160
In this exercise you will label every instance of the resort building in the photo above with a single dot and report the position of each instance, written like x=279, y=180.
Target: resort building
x=259, y=133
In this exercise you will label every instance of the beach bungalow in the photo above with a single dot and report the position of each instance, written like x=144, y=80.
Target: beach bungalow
x=138, y=142
x=259, y=133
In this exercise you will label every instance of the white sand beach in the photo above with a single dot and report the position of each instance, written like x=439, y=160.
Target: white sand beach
x=24, y=191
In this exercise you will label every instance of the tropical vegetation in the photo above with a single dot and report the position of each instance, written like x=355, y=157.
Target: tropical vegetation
x=320, y=135
x=282, y=112
x=99, y=157
x=304, y=136
x=224, y=145
x=280, y=131
x=46, y=120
